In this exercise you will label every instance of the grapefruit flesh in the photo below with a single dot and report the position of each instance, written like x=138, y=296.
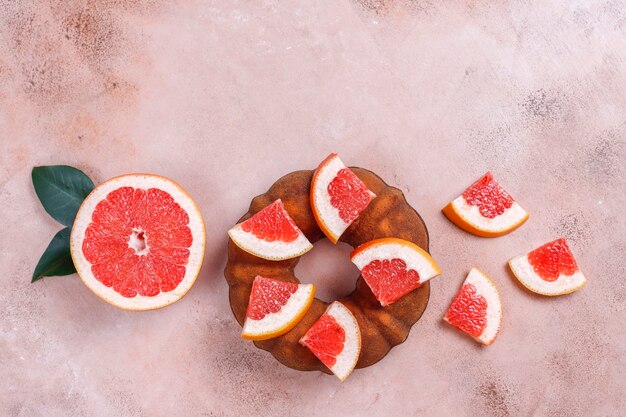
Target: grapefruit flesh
x=271, y=234
x=275, y=307
x=335, y=339
x=486, y=209
x=393, y=267
x=551, y=269
x=476, y=309
x=338, y=197
x=138, y=241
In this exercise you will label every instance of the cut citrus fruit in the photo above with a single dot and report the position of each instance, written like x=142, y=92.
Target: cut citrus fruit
x=486, y=209
x=549, y=270
x=476, y=309
x=275, y=307
x=271, y=234
x=393, y=267
x=338, y=196
x=335, y=339
x=138, y=241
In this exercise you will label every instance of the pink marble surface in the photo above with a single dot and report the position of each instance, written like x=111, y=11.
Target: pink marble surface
x=225, y=97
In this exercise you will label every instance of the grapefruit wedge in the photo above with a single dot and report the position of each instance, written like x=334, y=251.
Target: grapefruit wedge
x=275, y=307
x=338, y=196
x=486, y=209
x=335, y=339
x=393, y=267
x=271, y=234
x=476, y=309
x=138, y=241
x=549, y=270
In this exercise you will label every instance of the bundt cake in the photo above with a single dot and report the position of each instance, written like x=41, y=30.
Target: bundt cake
x=388, y=215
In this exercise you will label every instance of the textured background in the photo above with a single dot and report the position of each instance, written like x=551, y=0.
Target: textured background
x=225, y=97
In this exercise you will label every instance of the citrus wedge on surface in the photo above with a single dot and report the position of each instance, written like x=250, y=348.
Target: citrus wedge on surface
x=338, y=196
x=275, y=307
x=486, y=209
x=271, y=234
x=393, y=267
x=335, y=339
x=476, y=309
x=138, y=241
x=549, y=270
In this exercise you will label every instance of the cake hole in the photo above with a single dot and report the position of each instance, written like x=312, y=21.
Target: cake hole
x=328, y=266
x=137, y=241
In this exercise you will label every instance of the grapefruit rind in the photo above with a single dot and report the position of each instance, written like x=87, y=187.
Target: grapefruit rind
x=485, y=287
x=196, y=250
x=326, y=215
x=468, y=218
x=415, y=257
x=526, y=275
x=349, y=356
x=285, y=319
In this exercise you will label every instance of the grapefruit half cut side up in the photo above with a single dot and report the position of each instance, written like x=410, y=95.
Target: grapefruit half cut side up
x=275, y=307
x=393, y=267
x=486, y=209
x=338, y=196
x=476, y=309
x=551, y=269
x=335, y=339
x=138, y=241
x=271, y=234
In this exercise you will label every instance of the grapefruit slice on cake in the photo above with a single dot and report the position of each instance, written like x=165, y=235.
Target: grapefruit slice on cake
x=393, y=267
x=335, y=339
x=275, y=307
x=271, y=234
x=476, y=309
x=138, y=241
x=338, y=196
x=551, y=269
x=486, y=209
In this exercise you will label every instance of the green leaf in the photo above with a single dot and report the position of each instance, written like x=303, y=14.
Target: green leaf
x=61, y=189
x=56, y=260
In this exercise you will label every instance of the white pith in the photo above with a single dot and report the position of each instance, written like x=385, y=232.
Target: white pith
x=273, y=251
x=275, y=322
x=526, y=274
x=328, y=214
x=471, y=214
x=196, y=251
x=347, y=359
x=419, y=261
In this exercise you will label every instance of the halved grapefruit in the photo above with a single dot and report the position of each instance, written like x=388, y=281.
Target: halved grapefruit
x=393, y=267
x=271, y=234
x=138, y=241
x=549, y=270
x=335, y=339
x=476, y=309
x=275, y=307
x=338, y=196
x=486, y=209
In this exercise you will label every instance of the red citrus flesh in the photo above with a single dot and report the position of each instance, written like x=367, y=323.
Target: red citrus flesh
x=325, y=339
x=272, y=224
x=349, y=195
x=553, y=259
x=389, y=279
x=468, y=311
x=156, y=262
x=491, y=199
x=268, y=296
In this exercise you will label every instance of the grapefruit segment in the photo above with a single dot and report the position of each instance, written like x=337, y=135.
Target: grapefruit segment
x=476, y=309
x=335, y=339
x=393, y=267
x=275, y=307
x=138, y=241
x=551, y=269
x=486, y=209
x=271, y=234
x=338, y=197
